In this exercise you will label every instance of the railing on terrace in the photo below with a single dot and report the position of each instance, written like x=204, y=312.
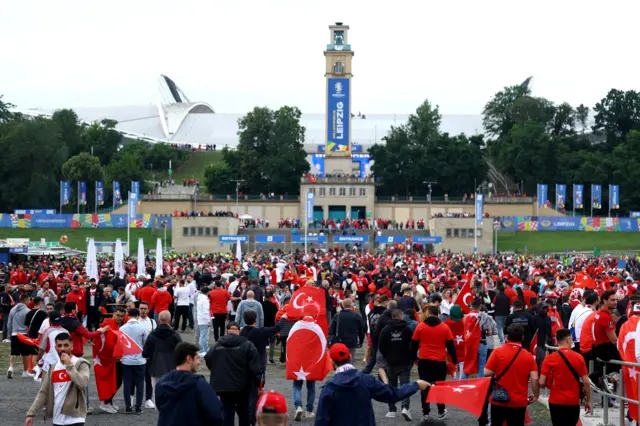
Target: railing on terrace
x=337, y=179
x=452, y=200
x=220, y=197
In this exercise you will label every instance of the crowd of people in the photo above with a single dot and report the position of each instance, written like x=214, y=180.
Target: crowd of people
x=448, y=314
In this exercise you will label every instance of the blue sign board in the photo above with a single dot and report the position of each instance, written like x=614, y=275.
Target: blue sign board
x=614, y=197
x=390, y=239
x=342, y=239
x=19, y=250
x=479, y=208
x=338, y=114
x=300, y=239
x=269, y=238
x=35, y=211
x=233, y=238
x=634, y=214
x=317, y=164
x=427, y=240
x=542, y=194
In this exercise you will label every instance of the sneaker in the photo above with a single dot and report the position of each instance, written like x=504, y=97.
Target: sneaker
x=443, y=415
x=149, y=404
x=309, y=415
x=6, y=341
x=406, y=414
x=391, y=415
x=202, y=354
x=299, y=413
x=10, y=373
x=425, y=417
x=115, y=407
x=89, y=410
x=614, y=403
x=272, y=361
x=128, y=410
x=138, y=411
x=27, y=374
x=107, y=408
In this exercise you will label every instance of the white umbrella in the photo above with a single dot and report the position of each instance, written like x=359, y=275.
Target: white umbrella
x=119, y=258
x=141, y=269
x=92, y=262
x=159, y=257
x=238, y=251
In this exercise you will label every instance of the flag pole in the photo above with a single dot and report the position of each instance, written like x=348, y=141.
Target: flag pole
x=306, y=224
x=61, y=197
x=95, y=197
x=128, y=221
x=78, y=196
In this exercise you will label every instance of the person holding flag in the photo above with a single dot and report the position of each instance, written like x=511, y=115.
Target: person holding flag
x=107, y=368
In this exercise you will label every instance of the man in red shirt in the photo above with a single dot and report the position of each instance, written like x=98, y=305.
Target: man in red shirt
x=78, y=297
x=218, y=299
x=432, y=340
x=564, y=399
x=605, y=339
x=513, y=367
x=160, y=301
x=362, y=284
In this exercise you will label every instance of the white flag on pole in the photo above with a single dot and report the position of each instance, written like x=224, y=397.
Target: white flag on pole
x=159, y=258
x=119, y=258
x=92, y=261
x=238, y=251
x=141, y=268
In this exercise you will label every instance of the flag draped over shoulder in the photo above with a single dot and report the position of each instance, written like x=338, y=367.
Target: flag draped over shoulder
x=472, y=336
x=104, y=362
x=311, y=302
x=307, y=354
x=627, y=348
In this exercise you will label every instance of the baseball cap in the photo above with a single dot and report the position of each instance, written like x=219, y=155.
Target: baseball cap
x=55, y=318
x=339, y=352
x=272, y=402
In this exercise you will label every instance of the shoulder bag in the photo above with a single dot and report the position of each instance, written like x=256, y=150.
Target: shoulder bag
x=500, y=394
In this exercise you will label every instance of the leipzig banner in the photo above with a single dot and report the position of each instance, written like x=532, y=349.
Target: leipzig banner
x=62, y=221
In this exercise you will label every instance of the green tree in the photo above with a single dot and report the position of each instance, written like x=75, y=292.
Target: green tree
x=126, y=167
x=617, y=114
x=218, y=179
x=71, y=130
x=582, y=116
x=5, y=113
x=498, y=112
x=102, y=140
x=83, y=168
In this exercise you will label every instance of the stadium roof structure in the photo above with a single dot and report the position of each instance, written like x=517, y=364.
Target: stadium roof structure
x=176, y=119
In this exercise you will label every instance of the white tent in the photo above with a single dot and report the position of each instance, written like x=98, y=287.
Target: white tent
x=141, y=268
x=159, y=259
x=92, y=262
x=119, y=258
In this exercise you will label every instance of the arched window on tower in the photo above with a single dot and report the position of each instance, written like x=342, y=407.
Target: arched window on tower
x=338, y=68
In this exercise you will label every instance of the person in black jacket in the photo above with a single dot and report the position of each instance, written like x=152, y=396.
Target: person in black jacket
x=395, y=346
x=502, y=305
x=524, y=318
x=270, y=310
x=382, y=322
x=184, y=397
x=542, y=325
x=236, y=369
x=347, y=327
x=159, y=348
x=6, y=303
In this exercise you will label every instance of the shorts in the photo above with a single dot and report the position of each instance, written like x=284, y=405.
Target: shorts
x=21, y=349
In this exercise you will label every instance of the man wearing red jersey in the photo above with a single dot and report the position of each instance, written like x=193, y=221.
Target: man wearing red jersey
x=604, y=336
x=362, y=284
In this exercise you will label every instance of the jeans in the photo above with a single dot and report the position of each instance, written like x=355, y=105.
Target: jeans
x=372, y=359
x=235, y=403
x=311, y=394
x=219, y=321
x=191, y=316
x=431, y=371
x=482, y=361
x=352, y=351
x=203, y=341
x=133, y=374
x=148, y=385
x=272, y=346
x=500, y=325
x=402, y=372
x=181, y=312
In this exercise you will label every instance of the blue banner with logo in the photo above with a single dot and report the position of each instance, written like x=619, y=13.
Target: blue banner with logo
x=596, y=196
x=99, y=193
x=479, y=208
x=117, y=195
x=508, y=223
x=233, y=238
x=561, y=195
x=73, y=221
x=391, y=239
x=543, y=197
x=344, y=239
x=310, y=199
x=338, y=114
x=65, y=192
x=269, y=239
x=300, y=239
x=364, y=160
x=317, y=161
x=51, y=221
x=628, y=224
x=133, y=203
x=578, y=196
x=135, y=188
x=35, y=211
x=429, y=239
x=82, y=193
x=614, y=197
x=551, y=223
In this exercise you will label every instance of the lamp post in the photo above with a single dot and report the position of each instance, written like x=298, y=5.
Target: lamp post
x=238, y=182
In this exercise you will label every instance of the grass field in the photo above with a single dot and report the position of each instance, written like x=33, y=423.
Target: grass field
x=195, y=165
x=77, y=237
x=545, y=242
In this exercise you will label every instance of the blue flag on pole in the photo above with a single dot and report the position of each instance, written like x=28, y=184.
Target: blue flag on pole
x=578, y=193
x=596, y=196
x=133, y=202
x=561, y=195
x=479, y=208
x=614, y=197
x=135, y=188
x=117, y=195
x=542, y=195
x=65, y=192
x=99, y=193
x=82, y=193
x=310, y=200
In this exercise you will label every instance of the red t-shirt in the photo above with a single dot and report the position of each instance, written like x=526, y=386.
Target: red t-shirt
x=565, y=390
x=516, y=380
x=219, y=298
x=603, y=323
x=586, y=334
x=361, y=284
x=432, y=341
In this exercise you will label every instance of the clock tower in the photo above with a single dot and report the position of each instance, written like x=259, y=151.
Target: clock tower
x=338, y=73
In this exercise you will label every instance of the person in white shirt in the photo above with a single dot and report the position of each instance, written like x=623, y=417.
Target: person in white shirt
x=181, y=302
x=149, y=324
x=63, y=391
x=193, y=291
x=203, y=319
x=130, y=289
x=581, y=312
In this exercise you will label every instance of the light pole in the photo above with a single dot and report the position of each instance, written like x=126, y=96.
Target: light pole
x=238, y=182
x=429, y=183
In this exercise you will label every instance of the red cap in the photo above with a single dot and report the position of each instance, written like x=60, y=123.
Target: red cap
x=272, y=402
x=339, y=352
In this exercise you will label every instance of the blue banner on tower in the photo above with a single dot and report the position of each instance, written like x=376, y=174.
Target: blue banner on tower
x=561, y=195
x=596, y=196
x=338, y=114
x=133, y=202
x=310, y=199
x=578, y=196
x=542, y=195
x=99, y=193
x=65, y=192
x=614, y=197
x=317, y=161
x=135, y=188
x=479, y=207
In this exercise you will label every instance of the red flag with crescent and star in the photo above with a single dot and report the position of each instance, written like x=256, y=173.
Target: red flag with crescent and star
x=60, y=376
x=627, y=349
x=533, y=346
x=104, y=362
x=464, y=297
x=472, y=336
x=310, y=301
x=468, y=395
x=124, y=345
x=307, y=354
x=584, y=281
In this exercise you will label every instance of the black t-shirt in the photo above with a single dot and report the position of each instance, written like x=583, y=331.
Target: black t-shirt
x=34, y=320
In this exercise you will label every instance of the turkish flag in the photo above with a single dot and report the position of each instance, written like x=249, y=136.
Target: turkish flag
x=307, y=354
x=468, y=395
x=533, y=346
x=310, y=301
x=104, y=362
x=124, y=345
x=627, y=348
x=60, y=376
x=584, y=281
x=465, y=297
x=28, y=340
x=472, y=336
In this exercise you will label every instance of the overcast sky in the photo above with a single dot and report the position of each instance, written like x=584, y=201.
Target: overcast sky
x=238, y=54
